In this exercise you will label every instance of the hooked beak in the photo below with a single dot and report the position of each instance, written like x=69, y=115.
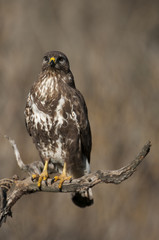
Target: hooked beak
x=52, y=62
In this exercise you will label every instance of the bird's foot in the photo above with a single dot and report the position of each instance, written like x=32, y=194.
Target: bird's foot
x=62, y=178
x=43, y=176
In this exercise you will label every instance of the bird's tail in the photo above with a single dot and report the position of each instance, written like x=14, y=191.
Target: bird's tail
x=83, y=199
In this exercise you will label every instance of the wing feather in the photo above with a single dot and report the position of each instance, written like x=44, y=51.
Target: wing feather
x=85, y=131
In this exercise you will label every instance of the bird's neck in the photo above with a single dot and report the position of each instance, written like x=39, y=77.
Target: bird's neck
x=50, y=86
x=46, y=88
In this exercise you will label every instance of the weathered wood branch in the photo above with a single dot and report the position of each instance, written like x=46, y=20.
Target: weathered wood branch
x=14, y=189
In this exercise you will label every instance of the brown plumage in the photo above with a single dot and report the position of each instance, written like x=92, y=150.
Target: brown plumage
x=56, y=118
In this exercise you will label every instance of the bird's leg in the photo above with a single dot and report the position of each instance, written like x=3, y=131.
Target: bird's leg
x=43, y=176
x=63, y=177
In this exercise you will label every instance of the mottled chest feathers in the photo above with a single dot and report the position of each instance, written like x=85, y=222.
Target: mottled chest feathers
x=46, y=89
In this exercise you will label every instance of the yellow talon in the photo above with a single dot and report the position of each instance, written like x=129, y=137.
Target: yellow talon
x=35, y=176
x=63, y=177
x=43, y=176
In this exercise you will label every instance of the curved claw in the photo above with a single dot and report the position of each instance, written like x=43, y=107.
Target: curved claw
x=34, y=177
x=42, y=176
x=62, y=178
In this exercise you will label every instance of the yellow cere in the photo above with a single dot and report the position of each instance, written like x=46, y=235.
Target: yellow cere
x=52, y=59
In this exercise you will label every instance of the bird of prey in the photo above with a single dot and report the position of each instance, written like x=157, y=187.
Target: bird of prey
x=56, y=117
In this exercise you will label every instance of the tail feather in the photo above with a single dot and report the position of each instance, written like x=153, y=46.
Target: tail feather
x=83, y=199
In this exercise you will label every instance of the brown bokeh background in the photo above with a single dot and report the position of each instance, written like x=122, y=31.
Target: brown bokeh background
x=113, y=48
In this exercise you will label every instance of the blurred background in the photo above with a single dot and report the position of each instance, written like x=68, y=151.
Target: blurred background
x=113, y=48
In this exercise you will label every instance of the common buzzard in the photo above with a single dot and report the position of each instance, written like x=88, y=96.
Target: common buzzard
x=56, y=118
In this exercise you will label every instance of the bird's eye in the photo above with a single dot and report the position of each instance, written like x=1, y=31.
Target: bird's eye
x=61, y=60
x=45, y=59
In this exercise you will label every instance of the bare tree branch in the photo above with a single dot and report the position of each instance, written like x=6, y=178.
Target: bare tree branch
x=17, y=188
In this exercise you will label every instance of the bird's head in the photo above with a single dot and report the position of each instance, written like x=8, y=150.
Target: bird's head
x=55, y=61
